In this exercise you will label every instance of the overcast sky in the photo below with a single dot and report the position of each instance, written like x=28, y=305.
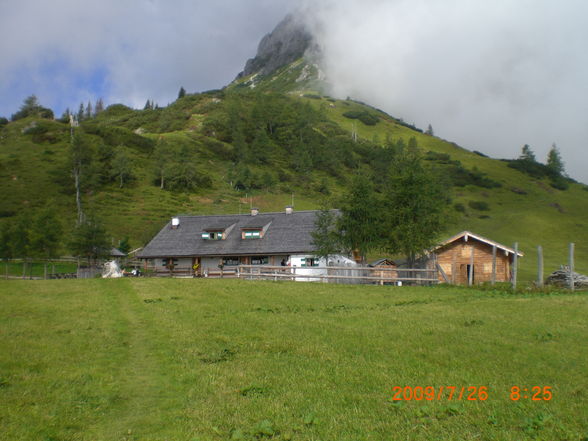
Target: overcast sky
x=490, y=76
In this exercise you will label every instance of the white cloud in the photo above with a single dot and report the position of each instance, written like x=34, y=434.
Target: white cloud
x=491, y=76
x=146, y=49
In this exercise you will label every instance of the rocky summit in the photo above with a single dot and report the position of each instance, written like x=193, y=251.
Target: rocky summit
x=286, y=43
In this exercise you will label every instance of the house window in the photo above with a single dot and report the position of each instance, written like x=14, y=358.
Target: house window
x=252, y=234
x=259, y=260
x=212, y=235
x=310, y=261
x=230, y=261
x=169, y=262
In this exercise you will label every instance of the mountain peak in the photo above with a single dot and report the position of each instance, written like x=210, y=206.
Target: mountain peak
x=289, y=41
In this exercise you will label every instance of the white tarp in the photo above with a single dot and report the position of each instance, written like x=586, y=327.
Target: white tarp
x=111, y=270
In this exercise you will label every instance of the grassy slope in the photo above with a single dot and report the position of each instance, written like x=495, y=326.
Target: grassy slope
x=207, y=359
x=544, y=216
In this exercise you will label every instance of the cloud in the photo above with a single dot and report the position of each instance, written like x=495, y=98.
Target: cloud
x=67, y=51
x=491, y=76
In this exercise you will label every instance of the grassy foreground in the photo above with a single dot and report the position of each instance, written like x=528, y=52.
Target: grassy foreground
x=149, y=359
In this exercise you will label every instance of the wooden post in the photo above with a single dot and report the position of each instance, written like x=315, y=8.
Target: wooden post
x=514, y=266
x=471, y=274
x=539, y=266
x=453, y=266
x=571, y=266
x=493, y=280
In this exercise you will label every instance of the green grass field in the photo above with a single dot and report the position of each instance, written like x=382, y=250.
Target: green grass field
x=159, y=359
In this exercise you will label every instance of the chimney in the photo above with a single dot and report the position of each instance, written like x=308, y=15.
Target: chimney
x=175, y=223
x=289, y=209
x=254, y=211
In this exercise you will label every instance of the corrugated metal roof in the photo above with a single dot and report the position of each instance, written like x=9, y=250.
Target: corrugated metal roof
x=287, y=234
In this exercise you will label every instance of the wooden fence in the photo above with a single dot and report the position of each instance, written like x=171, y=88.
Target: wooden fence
x=345, y=275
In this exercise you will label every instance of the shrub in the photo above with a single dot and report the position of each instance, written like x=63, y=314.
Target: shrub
x=459, y=207
x=115, y=136
x=367, y=118
x=480, y=154
x=462, y=177
x=479, y=205
x=435, y=156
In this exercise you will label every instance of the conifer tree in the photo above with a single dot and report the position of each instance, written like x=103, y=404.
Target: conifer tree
x=181, y=93
x=554, y=161
x=81, y=113
x=527, y=154
x=325, y=237
x=415, y=204
x=88, y=113
x=360, y=223
x=99, y=108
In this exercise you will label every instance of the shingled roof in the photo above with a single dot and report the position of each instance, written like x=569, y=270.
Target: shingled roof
x=286, y=234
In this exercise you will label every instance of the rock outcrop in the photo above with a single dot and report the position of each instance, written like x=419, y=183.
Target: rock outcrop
x=289, y=41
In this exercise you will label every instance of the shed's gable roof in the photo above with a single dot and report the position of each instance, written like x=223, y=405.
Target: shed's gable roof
x=466, y=235
x=286, y=234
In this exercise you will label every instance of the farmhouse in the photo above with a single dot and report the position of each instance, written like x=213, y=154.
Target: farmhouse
x=205, y=245
x=469, y=258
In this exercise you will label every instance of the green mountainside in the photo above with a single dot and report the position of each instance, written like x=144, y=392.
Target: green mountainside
x=268, y=140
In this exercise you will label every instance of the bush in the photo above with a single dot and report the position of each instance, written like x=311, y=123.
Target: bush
x=479, y=205
x=462, y=177
x=115, y=136
x=559, y=183
x=459, y=207
x=440, y=157
x=367, y=118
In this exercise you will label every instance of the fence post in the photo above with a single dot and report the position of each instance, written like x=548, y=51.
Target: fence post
x=539, y=266
x=514, y=266
x=493, y=280
x=572, y=266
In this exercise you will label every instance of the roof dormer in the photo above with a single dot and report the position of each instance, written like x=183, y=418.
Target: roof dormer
x=255, y=229
x=217, y=232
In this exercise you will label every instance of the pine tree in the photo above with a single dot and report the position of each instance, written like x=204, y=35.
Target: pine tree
x=360, y=223
x=148, y=105
x=89, y=240
x=181, y=93
x=99, y=108
x=429, y=130
x=88, y=113
x=527, y=154
x=325, y=238
x=415, y=205
x=81, y=112
x=554, y=161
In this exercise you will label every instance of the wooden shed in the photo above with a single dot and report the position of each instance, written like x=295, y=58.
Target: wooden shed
x=385, y=269
x=468, y=257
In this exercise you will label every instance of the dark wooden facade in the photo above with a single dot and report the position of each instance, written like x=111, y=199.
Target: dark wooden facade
x=468, y=253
